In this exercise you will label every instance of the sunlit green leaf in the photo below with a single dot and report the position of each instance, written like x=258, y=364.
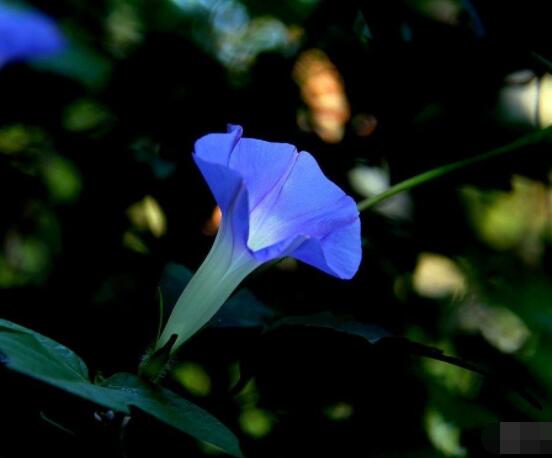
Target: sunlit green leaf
x=32, y=354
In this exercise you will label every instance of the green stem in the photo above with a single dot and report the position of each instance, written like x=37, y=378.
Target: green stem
x=530, y=139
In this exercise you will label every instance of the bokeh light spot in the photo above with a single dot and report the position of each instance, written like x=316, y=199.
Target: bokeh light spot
x=193, y=377
x=256, y=422
x=147, y=214
x=437, y=276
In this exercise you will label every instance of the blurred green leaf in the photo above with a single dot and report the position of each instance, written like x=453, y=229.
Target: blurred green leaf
x=193, y=377
x=84, y=115
x=62, y=179
x=79, y=63
x=290, y=11
x=465, y=413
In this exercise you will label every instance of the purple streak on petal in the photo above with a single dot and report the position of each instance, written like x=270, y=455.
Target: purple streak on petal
x=264, y=167
x=27, y=34
x=240, y=224
x=307, y=204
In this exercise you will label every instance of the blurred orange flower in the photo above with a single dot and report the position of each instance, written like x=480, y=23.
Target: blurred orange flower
x=323, y=92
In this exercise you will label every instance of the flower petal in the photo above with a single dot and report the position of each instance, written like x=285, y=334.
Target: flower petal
x=264, y=166
x=227, y=161
x=287, y=207
x=212, y=155
x=229, y=190
x=26, y=34
x=308, y=204
x=338, y=254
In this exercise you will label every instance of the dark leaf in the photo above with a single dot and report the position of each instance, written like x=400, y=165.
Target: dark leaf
x=175, y=411
x=174, y=279
x=27, y=352
x=242, y=310
x=326, y=320
x=376, y=335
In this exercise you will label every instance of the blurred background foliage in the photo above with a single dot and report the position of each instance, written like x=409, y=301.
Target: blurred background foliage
x=99, y=194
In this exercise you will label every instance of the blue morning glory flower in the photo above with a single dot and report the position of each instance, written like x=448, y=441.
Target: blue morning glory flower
x=27, y=34
x=275, y=202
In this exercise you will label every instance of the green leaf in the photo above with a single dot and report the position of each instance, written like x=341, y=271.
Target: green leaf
x=27, y=352
x=175, y=411
x=51, y=348
x=32, y=354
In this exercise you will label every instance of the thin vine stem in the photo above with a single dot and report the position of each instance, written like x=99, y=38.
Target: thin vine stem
x=433, y=174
